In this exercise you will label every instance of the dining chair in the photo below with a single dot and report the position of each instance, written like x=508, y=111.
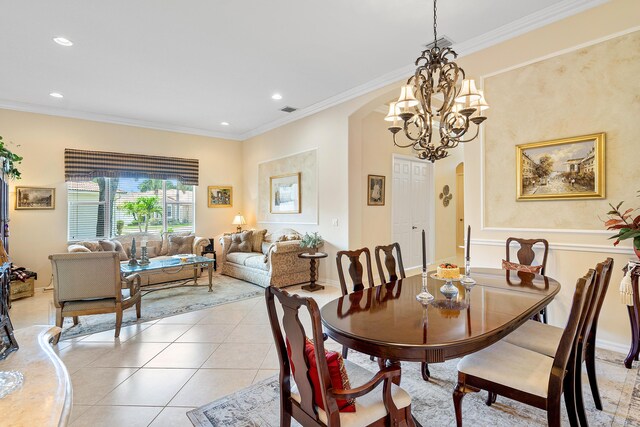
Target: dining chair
x=527, y=376
x=544, y=339
x=390, y=262
x=526, y=255
x=378, y=402
x=356, y=273
x=88, y=283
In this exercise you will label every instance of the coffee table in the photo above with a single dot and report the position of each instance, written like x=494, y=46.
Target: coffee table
x=172, y=265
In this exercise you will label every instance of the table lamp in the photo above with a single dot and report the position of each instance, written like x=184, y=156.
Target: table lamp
x=239, y=221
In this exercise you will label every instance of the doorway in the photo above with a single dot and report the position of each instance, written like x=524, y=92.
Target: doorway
x=412, y=208
x=459, y=209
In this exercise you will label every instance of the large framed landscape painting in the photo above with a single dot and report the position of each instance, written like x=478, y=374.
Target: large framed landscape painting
x=35, y=198
x=285, y=194
x=569, y=168
x=219, y=196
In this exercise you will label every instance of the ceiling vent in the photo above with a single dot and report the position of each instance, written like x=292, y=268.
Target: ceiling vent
x=442, y=43
x=288, y=109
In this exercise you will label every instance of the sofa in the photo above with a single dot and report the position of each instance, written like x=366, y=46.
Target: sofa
x=159, y=246
x=264, y=258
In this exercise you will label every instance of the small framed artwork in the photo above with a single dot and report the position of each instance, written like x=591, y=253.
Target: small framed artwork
x=35, y=198
x=219, y=196
x=285, y=194
x=562, y=169
x=375, y=190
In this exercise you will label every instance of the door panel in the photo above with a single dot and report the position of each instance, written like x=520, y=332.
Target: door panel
x=401, y=228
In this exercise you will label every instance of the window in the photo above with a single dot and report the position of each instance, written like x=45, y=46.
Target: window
x=109, y=207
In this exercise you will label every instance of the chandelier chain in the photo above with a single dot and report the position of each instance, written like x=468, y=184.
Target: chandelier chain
x=435, y=23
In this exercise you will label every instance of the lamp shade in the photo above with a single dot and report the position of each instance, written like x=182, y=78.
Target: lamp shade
x=482, y=103
x=238, y=220
x=468, y=92
x=392, y=115
x=407, y=99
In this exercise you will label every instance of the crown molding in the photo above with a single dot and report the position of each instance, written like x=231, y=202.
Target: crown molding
x=117, y=120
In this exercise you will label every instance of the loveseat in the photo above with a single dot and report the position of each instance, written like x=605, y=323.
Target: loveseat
x=264, y=259
x=159, y=246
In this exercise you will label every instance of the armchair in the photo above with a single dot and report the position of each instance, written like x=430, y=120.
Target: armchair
x=90, y=283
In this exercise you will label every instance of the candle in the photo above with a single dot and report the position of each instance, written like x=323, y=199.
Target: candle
x=424, y=252
x=468, y=242
x=143, y=244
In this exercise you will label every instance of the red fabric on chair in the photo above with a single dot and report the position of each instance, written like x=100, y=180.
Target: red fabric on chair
x=337, y=371
x=507, y=265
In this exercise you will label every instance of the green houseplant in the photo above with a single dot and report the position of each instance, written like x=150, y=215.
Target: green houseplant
x=10, y=160
x=311, y=241
x=626, y=226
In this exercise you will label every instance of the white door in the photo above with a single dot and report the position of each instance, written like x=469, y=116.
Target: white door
x=412, y=203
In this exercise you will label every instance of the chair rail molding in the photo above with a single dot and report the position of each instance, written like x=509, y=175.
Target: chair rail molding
x=571, y=247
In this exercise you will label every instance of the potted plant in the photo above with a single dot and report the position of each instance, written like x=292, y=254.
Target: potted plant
x=10, y=161
x=626, y=226
x=311, y=241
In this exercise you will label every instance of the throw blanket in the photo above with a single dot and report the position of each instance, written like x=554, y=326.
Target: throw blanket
x=626, y=288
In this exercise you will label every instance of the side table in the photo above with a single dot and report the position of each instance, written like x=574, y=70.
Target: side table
x=313, y=258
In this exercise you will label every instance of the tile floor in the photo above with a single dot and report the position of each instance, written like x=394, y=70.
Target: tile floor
x=157, y=371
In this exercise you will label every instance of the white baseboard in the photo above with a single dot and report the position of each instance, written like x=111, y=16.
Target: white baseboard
x=613, y=346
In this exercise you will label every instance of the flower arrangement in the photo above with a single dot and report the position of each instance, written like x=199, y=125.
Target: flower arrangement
x=10, y=161
x=311, y=241
x=626, y=226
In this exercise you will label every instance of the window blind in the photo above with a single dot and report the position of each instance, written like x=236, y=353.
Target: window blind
x=82, y=165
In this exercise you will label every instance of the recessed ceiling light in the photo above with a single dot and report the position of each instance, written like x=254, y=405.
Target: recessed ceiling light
x=276, y=96
x=224, y=123
x=56, y=95
x=63, y=41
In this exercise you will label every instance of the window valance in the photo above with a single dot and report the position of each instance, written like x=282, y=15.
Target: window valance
x=82, y=165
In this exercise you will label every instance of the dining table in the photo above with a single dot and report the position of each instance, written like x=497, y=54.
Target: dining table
x=389, y=323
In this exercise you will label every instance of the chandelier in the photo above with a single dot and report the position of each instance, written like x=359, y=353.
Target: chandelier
x=458, y=104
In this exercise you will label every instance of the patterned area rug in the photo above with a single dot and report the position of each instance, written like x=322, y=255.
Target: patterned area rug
x=168, y=302
x=432, y=405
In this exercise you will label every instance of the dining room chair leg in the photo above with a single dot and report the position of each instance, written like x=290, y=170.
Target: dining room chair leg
x=590, y=361
x=345, y=351
x=458, y=394
x=554, y=413
x=544, y=316
x=424, y=370
x=491, y=398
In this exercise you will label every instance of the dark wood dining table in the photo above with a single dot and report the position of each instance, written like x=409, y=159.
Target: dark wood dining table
x=388, y=322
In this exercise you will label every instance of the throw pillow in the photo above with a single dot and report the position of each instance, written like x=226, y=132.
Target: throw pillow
x=92, y=245
x=114, y=246
x=337, y=372
x=241, y=242
x=535, y=269
x=180, y=245
x=164, y=250
x=257, y=239
x=120, y=249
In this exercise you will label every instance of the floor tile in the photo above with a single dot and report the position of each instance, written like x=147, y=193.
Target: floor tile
x=76, y=411
x=126, y=333
x=182, y=355
x=80, y=354
x=260, y=334
x=149, y=387
x=185, y=318
x=237, y=356
x=222, y=316
x=92, y=384
x=161, y=333
x=258, y=316
x=263, y=374
x=111, y=416
x=207, y=333
x=132, y=355
x=271, y=360
x=210, y=384
x=172, y=417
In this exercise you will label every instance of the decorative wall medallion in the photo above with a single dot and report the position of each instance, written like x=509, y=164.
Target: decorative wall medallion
x=446, y=196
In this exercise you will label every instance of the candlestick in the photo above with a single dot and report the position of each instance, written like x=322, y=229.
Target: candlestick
x=468, y=243
x=143, y=244
x=424, y=252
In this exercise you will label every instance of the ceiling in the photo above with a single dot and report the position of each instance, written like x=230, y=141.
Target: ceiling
x=190, y=65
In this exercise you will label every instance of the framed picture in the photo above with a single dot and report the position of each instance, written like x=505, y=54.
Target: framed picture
x=375, y=190
x=285, y=194
x=35, y=198
x=219, y=196
x=570, y=168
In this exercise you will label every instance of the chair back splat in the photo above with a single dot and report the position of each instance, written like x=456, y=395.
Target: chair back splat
x=356, y=270
x=525, y=254
x=389, y=262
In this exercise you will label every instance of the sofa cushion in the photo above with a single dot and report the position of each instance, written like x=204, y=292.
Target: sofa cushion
x=283, y=235
x=256, y=240
x=165, y=240
x=92, y=245
x=180, y=244
x=241, y=257
x=241, y=242
x=114, y=246
x=256, y=261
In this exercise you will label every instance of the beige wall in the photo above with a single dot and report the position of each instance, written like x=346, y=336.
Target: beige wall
x=42, y=140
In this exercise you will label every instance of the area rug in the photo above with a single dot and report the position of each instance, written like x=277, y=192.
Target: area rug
x=432, y=405
x=168, y=302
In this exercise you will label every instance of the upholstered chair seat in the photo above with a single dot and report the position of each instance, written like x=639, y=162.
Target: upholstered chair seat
x=95, y=304
x=511, y=366
x=536, y=336
x=370, y=407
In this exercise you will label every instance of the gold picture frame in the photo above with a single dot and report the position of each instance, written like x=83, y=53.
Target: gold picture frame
x=35, y=198
x=219, y=196
x=285, y=194
x=562, y=169
x=375, y=190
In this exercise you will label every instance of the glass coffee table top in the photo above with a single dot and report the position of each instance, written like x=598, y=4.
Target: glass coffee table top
x=164, y=263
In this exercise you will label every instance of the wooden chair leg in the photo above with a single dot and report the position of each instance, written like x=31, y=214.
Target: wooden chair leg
x=458, y=394
x=590, y=361
x=76, y=320
x=345, y=352
x=569, y=399
x=582, y=415
x=139, y=308
x=59, y=321
x=118, y=321
x=554, y=413
x=424, y=369
x=544, y=316
x=491, y=398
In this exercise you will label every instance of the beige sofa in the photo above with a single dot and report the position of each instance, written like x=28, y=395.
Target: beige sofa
x=273, y=259
x=158, y=247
